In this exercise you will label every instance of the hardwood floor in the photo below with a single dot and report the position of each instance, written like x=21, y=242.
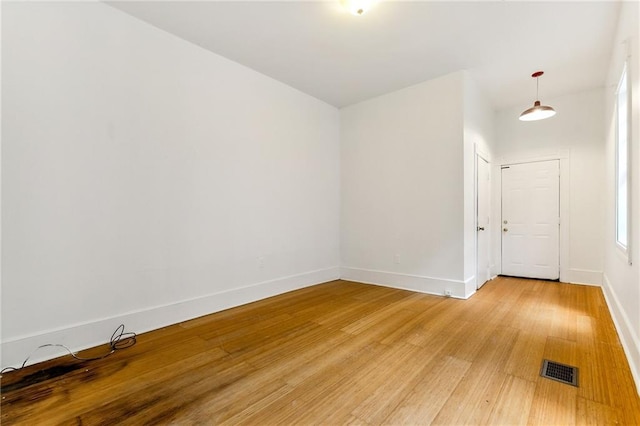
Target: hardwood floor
x=348, y=353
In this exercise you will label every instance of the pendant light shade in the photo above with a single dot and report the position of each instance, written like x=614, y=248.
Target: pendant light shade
x=537, y=111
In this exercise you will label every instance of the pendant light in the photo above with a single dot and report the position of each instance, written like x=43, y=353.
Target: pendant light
x=537, y=111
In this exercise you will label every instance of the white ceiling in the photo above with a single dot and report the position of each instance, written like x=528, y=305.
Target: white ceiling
x=318, y=48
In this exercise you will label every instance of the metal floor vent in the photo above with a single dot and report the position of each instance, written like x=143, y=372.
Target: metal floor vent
x=559, y=372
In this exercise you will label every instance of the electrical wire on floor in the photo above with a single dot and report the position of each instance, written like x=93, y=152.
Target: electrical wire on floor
x=119, y=340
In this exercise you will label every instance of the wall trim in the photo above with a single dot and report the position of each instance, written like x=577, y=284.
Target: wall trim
x=417, y=283
x=90, y=334
x=470, y=286
x=629, y=339
x=584, y=276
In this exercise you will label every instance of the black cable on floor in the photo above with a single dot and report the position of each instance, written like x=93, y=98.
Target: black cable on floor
x=119, y=340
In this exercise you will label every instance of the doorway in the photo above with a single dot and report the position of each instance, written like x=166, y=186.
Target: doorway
x=530, y=220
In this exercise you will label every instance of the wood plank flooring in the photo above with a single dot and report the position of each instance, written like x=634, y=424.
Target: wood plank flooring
x=349, y=353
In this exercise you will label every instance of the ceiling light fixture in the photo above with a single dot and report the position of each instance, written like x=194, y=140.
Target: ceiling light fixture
x=537, y=111
x=357, y=7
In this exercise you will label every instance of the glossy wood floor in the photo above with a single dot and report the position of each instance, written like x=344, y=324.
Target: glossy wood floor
x=347, y=353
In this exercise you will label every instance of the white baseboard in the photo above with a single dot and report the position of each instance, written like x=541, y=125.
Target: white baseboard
x=584, y=276
x=416, y=283
x=628, y=336
x=86, y=335
x=470, y=286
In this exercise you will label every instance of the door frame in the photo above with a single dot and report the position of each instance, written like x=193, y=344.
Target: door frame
x=481, y=155
x=564, y=157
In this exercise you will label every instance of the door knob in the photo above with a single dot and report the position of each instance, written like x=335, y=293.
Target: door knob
x=505, y=229
x=480, y=228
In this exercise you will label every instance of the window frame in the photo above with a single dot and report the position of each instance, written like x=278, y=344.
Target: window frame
x=624, y=80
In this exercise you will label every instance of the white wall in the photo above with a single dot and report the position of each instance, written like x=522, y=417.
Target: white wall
x=621, y=280
x=408, y=186
x=575, y=135
x=146, y=180
x=402, y=188
x=479, y=138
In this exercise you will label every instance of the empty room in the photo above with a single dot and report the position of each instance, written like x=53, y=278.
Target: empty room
x=320, y=212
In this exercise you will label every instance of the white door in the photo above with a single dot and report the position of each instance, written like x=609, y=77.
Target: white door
x=482, y=221
x=531, y=220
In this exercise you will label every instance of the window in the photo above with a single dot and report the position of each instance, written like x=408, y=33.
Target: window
x=622, y=161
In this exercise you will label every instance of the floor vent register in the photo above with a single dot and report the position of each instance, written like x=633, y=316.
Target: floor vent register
x=559, y=372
